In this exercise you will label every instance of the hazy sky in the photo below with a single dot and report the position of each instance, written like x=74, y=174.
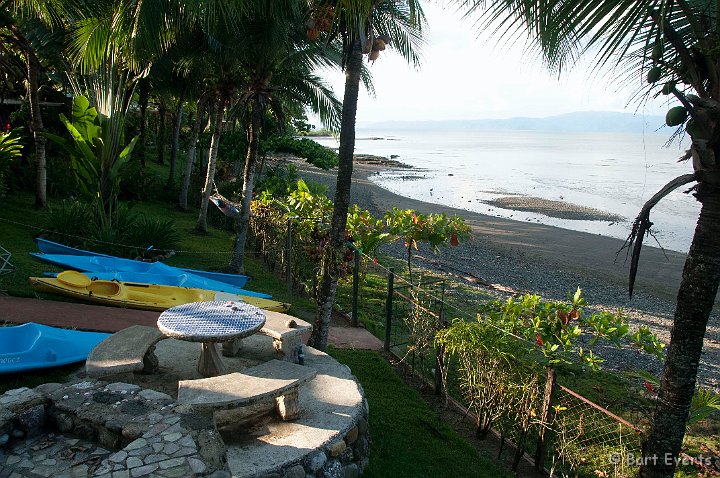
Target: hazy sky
x=466, y=76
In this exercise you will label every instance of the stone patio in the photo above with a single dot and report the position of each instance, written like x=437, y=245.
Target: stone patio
x=131, y=425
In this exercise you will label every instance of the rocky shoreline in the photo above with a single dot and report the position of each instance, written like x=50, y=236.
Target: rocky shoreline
x=517, y=257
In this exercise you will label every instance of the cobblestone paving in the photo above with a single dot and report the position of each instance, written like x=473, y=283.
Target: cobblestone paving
x=161, y=446
x=53, y=454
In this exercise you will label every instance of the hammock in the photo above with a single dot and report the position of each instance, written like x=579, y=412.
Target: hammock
x=226, y=207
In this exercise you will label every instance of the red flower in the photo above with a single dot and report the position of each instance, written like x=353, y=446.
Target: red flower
x=649, y=386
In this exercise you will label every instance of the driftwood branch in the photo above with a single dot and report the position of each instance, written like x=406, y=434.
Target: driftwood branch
x=641, y=225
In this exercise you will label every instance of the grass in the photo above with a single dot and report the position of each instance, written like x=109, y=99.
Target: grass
x=408, y=439
x=21, y=222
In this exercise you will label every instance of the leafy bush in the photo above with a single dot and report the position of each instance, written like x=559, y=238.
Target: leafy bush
x=313, y=152
x=278, y=181
x=70, y=222
x=10, y=149
x=150, y=234
x=128, y=234
x=138, y=183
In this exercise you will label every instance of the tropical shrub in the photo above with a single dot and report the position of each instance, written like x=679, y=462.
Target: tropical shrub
x=434, y=229
x=70, y=222
x=95, y=152
x=555, y=327
x=278, y=180
x=308, y=149
x=151, y=235
x=10, y=149
x=495, y=377
x=132, y=235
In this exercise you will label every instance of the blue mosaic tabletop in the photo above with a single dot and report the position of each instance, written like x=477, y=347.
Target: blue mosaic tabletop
x=214, y=321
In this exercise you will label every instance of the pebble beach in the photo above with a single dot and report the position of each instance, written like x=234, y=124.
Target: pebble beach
x=509, y=257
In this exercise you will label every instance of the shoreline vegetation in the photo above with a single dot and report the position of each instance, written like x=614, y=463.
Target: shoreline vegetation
x=511, y=257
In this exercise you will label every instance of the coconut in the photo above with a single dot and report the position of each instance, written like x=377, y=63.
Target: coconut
x=378, y=44
x=668, y=88
x=654, y=74
x=676, y=116
x=374, y=55
x=384, y=37
x=313, y=34
x=324, y=24
x=367, y=46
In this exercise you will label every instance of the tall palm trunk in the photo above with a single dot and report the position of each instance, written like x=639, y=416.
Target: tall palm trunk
x=175, y=146
x=328, y=285
x=144, y=98
x=695, y=301
x=36, y=127
x=237, y=263
x=162, y=110
x=192, y=148
x=201, y=225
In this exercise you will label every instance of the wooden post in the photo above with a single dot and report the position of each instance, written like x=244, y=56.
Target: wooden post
x=388, y=307
x=439, y=351
x=439, y=357
x=355, y=287
x=547, y=416
x=288, y=261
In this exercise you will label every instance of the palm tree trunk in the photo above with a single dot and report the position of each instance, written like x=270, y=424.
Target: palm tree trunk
x=175, y=146
x=144, y=97
x=695, y=301
x=201, y=225
x=192, y=148
x=161, y=133
x=237, y=263
x=328, y=285
x=36, y=127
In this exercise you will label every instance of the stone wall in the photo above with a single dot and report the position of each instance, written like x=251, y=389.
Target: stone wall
x=142, y=432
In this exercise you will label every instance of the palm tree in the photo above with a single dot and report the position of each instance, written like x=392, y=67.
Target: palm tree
x=278, y=63
x=675, y=46
x=362, y=26
x=23, y=20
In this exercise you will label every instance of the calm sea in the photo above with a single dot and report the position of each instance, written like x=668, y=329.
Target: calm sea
x=615, y=173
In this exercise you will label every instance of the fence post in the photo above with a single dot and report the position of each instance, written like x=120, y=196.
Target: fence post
x=356, y=287
x=547, y=416
x=440, y=356
x=288, y=255
x=388, y=307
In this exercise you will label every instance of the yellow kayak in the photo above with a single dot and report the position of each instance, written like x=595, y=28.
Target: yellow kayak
x=139, y=296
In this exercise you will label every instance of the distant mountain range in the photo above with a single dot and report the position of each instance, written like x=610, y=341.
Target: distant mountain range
x=583, y=121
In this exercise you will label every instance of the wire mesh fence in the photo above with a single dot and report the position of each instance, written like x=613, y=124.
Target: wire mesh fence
x=582, y=438
x=591, y=441
x=568, y=434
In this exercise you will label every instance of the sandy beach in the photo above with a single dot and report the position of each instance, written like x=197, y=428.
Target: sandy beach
x=514, y=256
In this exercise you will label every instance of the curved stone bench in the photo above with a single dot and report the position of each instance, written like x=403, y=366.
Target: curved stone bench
x=286, y=332
x=277, y=379
x=128, y=350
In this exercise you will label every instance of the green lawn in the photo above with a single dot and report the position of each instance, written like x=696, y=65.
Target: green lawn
x=408, y=440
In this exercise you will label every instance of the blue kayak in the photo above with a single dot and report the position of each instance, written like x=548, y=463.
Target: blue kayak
x=32, y=346
x=50, y=247
x=158, y=278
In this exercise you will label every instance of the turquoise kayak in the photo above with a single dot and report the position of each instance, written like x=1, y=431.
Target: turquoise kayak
x=159, y=278
x=50, y=247
x=33, y=346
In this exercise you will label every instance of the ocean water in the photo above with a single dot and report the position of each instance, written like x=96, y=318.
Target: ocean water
x=614, y=173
